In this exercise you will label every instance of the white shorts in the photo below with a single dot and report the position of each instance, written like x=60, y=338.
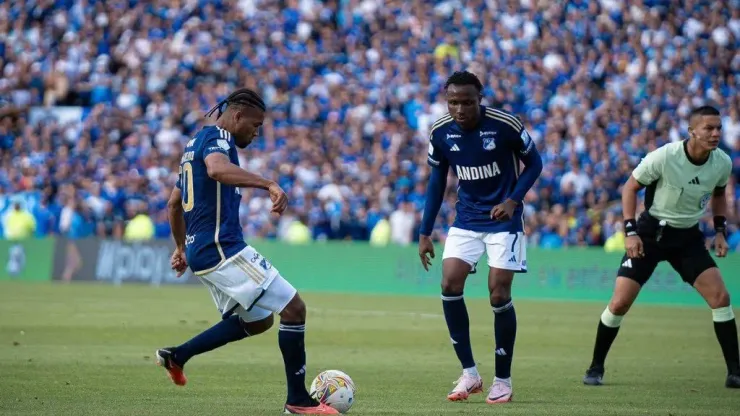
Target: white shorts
x=249, y=286
x=507, y=251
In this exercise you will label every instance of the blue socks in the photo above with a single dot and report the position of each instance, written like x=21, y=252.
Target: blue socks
x=224, y=332
x=458, y=323
x=291, y=340
x=504, y=328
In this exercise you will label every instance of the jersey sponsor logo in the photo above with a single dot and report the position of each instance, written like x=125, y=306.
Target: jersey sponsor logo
x=489, y=143
x=704, y=200
x=189, y=239
x=474, y=173
x=487, y=133
x=217, y=149
x=453, y=136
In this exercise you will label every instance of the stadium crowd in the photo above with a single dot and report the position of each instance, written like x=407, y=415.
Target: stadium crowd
x=98, y=98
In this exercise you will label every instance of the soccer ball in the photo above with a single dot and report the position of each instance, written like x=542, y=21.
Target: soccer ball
x=334, y=388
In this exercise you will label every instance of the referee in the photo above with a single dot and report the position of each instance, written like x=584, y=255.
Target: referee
x=680, y=179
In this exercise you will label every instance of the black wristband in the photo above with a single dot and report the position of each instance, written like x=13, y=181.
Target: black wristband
x=720, y=224
x=630, y=227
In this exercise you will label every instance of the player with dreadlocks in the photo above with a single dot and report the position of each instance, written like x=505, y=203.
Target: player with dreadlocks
x=247, y=289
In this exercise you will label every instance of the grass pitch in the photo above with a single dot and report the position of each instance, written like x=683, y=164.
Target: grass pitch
x=87, y=349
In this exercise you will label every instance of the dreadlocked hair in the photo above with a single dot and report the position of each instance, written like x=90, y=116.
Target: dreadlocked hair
x=464, y=78
x=241, y=97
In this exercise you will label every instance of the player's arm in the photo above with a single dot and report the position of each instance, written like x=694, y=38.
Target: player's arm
x=530, y=157
x=435, y=194
x=435, y=189
x=177, y=220
x=222, y=170
x=648, y=171
x=629, y=204
x=718, y=203
x=719, y=210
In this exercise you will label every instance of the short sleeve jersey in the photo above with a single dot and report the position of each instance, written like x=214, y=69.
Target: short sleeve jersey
x=678, y=190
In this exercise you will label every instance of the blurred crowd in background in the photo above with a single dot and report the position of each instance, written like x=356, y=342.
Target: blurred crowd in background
x=97, y=99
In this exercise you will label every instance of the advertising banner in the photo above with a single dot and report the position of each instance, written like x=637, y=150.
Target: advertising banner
x=116, y=262
x=27, y=260
x=345, y=267
x=568, y=274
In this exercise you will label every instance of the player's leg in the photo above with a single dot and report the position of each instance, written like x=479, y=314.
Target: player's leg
x=462, y=250
x=237, y=324
x=506, y=256
x=631, y=276
x=697, y=268
x=233, y=328
x=282, y=298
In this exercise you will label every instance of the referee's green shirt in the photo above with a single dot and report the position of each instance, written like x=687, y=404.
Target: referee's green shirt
x=678, y=190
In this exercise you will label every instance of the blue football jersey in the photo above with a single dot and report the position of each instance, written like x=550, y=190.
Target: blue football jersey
x=213, y=232
x=486, y=163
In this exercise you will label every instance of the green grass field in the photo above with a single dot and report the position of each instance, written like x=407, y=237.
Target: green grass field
x=87, y=349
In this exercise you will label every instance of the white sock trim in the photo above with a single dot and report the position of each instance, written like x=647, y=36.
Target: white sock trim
x=451, y=298
x=504, y=308
x=472, y=371
x=506, y=381
x=611, y=320
x=723, y=314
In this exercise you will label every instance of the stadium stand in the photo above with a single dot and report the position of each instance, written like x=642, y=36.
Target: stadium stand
x=97, y=99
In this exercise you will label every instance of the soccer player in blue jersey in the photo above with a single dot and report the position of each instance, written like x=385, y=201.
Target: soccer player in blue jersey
x=484, y=147
x=247, y=289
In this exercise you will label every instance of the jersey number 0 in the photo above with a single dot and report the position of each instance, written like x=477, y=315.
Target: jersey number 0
x=186, y=180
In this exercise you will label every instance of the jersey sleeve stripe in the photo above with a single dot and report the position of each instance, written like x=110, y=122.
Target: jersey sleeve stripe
x=506, y=120
x=506, y=115
x=224, y=134
x=439, y=123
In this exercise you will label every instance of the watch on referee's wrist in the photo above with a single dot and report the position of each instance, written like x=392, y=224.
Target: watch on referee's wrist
x=720, y=225
x=630, y=227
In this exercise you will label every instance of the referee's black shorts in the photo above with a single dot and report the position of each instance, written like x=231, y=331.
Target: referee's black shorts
x=684, y=249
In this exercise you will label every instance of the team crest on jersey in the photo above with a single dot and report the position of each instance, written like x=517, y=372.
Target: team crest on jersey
x=704, y=200
x=489, y=143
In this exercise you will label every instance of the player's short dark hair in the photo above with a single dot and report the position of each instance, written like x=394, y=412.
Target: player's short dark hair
x=241, y=97
x=705, y=110
x=464, y=78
